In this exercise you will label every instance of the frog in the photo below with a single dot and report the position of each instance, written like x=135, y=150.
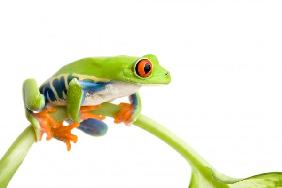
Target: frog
x=82, y=86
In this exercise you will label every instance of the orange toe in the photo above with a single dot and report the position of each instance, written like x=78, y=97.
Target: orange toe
x=68, y=145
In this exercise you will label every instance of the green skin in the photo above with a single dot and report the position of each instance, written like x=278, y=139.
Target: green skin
x=118, y=68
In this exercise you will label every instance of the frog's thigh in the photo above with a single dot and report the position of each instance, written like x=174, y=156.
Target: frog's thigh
x=33, y=100
x=74, y=99
x=93, y=127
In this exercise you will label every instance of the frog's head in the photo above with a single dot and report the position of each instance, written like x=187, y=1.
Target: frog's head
x=144, y=70
x=137, y=70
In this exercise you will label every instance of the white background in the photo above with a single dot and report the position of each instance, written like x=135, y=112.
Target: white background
x=225, y=99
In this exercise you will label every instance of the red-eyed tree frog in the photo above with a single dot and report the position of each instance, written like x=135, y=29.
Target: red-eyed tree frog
x=83, y=85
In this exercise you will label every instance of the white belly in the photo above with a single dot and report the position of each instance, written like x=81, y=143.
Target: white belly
x=112, y=91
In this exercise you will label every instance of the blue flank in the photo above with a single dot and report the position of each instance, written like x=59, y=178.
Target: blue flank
x=47, y=92
x=60, y=86
x=59, y=89
x=91, y=87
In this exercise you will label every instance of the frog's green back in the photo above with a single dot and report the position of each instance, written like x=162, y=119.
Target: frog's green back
x=101, y=67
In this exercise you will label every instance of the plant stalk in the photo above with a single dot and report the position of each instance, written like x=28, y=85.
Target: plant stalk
x=15, y=155
x=17, y=152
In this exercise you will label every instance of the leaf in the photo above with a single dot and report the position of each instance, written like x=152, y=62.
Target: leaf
x=266, y=180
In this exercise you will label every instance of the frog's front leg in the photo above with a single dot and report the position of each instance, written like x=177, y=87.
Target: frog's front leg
x=74, y=99
x=129, y=112
x=33, y=101
x=75, y=95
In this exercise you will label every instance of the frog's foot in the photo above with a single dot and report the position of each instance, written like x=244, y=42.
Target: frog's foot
x=124, y=114
x=64, y=134
x=53, y=128
x=85, y=113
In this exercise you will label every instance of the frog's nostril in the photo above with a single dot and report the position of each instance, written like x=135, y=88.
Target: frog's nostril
x=167, y=77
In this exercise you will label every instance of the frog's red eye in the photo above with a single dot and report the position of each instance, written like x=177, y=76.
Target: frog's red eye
x=143, y=68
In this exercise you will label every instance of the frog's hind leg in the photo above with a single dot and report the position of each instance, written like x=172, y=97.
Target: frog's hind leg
x=93, y=127
x=86, y=113
x=91, y=123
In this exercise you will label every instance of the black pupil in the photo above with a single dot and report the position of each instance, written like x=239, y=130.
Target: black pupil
x=147, y=68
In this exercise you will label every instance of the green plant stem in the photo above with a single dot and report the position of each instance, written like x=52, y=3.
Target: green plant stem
x=17, y=152
x=15, y=155
x=203, y=176
x=202, y=173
